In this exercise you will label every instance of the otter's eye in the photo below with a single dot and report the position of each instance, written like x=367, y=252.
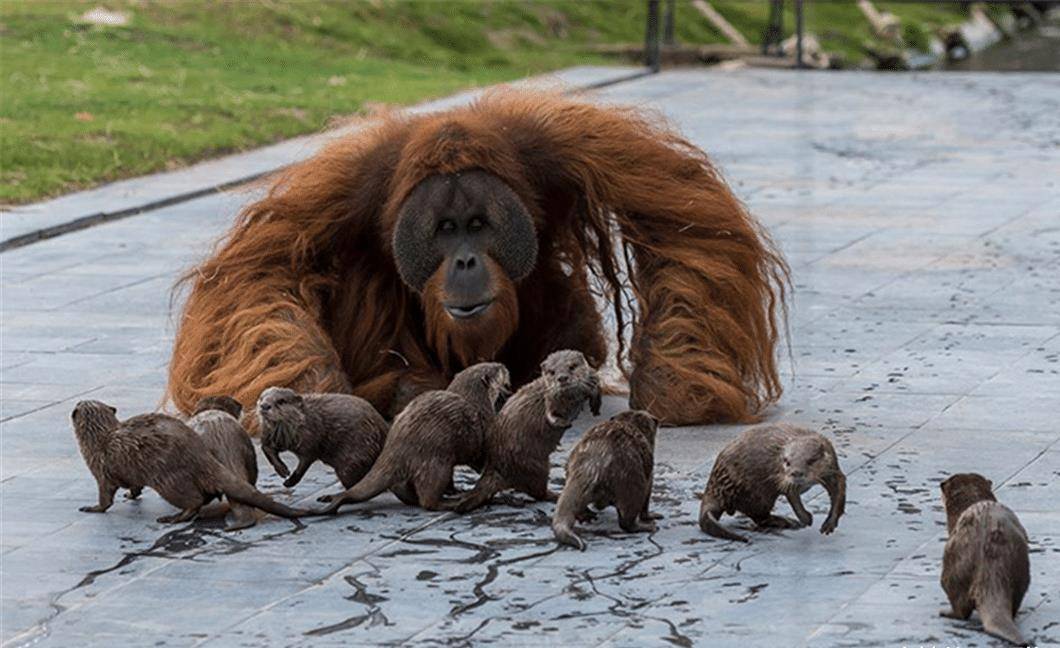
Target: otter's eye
x=447, y=225
x=475, y=224
x=573, y=366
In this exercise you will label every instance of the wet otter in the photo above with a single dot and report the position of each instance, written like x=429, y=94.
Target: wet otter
x=216, y=419
x=986, y=564
x=436, y=432
x=530, y=426
x=763, y=463
x=343, y=431
x=612, y=464
x=159, y=451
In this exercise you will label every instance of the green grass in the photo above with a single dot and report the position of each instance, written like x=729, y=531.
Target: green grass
x=184, y=80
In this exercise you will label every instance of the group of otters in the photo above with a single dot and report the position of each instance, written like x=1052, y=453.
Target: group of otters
x=190, y=463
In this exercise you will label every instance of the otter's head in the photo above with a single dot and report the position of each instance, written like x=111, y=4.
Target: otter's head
x=804, y=459
x=93, y=419
x=644, y=422
x=279, y=407
x=485, y=383
x=961, y=491
x=225, y=404
x=566, y=367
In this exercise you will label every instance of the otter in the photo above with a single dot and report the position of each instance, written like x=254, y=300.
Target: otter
x=986, y=564
x=162, y=452
x=216, y=420
x=767, y=461
x=612, y=464
x=343, y=431
x=530, y=426
x=436, y=432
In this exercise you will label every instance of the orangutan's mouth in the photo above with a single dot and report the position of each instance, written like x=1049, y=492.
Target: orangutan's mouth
x=469, y=311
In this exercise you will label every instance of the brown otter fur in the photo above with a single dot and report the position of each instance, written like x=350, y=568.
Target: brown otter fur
x=343, y=431
x=767, y=461
x=612, y=464
x=986, y=565
x=216, y=419
x=436, y=432
x=530, y=426
x=161, y=452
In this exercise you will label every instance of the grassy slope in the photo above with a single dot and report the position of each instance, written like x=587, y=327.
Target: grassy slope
x=188, y=79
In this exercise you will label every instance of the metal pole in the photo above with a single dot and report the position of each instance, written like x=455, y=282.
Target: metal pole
x=798, y=34
x=651, y=38
x=668, y=22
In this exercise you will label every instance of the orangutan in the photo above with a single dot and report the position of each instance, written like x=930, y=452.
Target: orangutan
x=422, y=244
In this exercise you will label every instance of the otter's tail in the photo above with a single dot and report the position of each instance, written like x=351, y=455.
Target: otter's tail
x=563, y=528
x=240, y=491
x=567, y=508
x=378, y=479
x=708, y=522
x=996, y=614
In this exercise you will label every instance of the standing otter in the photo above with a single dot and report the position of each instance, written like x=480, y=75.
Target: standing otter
x=763, y=463
x=611, y=464
x=343, y=431
x=436, y=432
x=161, y=452
x=985, y=565
x=530, y=426
x=216, y=419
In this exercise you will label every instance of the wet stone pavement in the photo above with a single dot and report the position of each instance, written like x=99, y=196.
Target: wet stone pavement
x=921, y=216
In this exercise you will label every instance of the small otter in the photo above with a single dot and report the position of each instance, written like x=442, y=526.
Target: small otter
x=763, y=463
x=343, y=431
x=611, y=464
x=530, y=426
x=436, y=432
x=986, y=565
x=216, y=419
x=159, y=451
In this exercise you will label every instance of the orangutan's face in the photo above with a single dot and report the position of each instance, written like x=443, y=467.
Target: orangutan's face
x=456, y=232
x=461, y=242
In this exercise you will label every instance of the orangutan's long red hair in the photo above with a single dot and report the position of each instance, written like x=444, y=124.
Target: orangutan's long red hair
x=304, y=291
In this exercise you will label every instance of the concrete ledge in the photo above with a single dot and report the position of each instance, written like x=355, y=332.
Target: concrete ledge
x=27, y=224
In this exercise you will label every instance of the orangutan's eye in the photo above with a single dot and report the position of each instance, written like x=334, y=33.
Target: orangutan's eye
x=447, y=225
x=475, y=224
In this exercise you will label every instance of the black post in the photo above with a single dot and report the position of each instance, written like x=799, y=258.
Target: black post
x=651, y=38
x=668, y=22
x=798, y=34
x=774, y=33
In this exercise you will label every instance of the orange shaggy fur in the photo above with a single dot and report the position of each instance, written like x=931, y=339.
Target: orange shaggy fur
x=304, y=291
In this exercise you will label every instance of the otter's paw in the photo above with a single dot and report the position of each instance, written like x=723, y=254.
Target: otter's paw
x=92, y=509
x=829, y=526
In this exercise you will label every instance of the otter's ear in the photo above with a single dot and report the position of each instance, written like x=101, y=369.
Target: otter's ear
x=990, y=484
x=297, y=399
x=945, y=484
x=113, y=410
